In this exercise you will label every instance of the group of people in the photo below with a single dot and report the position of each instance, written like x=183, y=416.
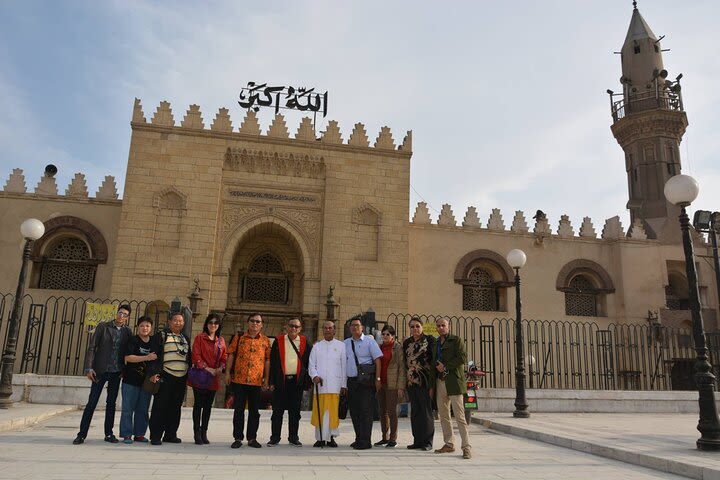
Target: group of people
x=421, y=367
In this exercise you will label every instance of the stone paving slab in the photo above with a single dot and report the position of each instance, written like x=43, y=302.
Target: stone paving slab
x=45, y=451
x=23, y=414
x=663, y=442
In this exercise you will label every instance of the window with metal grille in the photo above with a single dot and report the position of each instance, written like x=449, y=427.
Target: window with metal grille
x=265, y=282
x=480, y=293
x=581, y=298
x=68, y=266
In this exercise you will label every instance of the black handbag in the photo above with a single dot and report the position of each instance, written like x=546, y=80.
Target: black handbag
x=365, y=372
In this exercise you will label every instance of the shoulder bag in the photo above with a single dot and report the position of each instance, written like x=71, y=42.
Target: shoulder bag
x=365, y=372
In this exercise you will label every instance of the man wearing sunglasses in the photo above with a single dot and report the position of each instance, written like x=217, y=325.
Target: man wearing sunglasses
x=288, y=378
x=103, y=364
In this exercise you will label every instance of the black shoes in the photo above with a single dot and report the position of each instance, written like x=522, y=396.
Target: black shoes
x=332, y=443
x=273, y=443
x=295, y=443
x=426, y=448
x=172, y=440
x=78, y=440
x=236, y=444
x=155, y=441
x=390, y=444
x=203, y=437
x=112, y=439
x=413, y=447
x=319, y=444
x=197, y=437
x=362, y=446
x=381, y=442
x=254, y=444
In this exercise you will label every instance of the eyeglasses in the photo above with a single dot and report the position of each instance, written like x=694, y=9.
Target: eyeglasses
x=294, y=326
x=255, y=321
x=355, y=325
x=213, y=323
x=123, y=314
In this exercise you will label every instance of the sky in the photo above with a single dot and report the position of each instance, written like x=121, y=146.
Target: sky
x=506, y=100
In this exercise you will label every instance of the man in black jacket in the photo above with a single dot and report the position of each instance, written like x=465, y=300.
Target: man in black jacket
x=103, y=364
x=288, y=378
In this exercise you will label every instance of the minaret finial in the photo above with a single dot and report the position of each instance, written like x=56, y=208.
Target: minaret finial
x=634, y=5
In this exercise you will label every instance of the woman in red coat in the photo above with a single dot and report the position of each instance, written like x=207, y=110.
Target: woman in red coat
x=208, y=361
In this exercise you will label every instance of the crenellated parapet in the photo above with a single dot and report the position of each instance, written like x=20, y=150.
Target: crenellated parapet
x=305, y=131
x=540, y=230
x=47, y=187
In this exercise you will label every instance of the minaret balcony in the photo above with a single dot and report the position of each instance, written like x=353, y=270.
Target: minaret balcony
x=641, y=102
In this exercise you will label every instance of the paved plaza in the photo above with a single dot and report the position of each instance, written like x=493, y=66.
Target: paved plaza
x=45, y=450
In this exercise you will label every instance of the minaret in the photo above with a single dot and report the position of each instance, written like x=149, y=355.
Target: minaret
x=648, y=123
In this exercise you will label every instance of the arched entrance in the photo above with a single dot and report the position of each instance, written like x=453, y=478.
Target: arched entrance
x=266, y=275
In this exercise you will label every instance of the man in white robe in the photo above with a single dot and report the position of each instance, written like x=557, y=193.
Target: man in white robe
x=327, y=370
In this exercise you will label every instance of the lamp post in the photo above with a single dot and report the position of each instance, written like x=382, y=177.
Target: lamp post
x=31, y=229
x=517, y=258
x=681, y=190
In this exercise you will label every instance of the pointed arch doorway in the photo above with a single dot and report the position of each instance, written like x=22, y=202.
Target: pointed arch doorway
x=267, y=276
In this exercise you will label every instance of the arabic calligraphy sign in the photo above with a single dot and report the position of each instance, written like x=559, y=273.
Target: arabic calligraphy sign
x=304, y=99
x=98, y=312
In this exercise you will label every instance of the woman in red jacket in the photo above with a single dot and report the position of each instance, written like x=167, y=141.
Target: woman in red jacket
x=208, y=361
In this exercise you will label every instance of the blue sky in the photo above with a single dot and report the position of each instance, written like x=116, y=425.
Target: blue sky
x=506, y=100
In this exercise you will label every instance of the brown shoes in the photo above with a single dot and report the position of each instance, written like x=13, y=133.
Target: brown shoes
x=466, y=453
x=445, y=449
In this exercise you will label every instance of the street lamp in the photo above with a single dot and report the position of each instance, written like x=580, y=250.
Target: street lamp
x=517, y=258
x=681, y=190
x=31, y=229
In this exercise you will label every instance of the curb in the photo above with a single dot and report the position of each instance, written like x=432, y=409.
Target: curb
x=627, y=456
x=17, y=423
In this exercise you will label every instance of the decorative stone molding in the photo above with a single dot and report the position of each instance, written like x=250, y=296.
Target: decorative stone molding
x=446, y=216
x=359, y=137
x=46, y=186
x=163, y=115
x=583, y=266
x=519, y=224
x=278, y=128
x=471, y=218
x=496, y=222
x=16, y=182
x=613, y=228
x=255, y=161
x=637, y=231
x=357, y=214
x=305, y=131
x=222, y=122
x=193, y=118
x=649, y=124
x=422, y=215
x=385, y=140
x=172, y=197
x=407, y=142
x=77, y=187
x=587, y=229
x=250, y=125
x=332, y=134
x=108, y=189
x=462, y=269
x=565, y=229
x=138, y=116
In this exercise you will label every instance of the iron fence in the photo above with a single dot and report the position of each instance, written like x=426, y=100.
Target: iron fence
x=577, y=355
x=53, y=337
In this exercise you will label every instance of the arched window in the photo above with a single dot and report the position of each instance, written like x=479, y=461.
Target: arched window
x=68, y=255
x=481, y=292
x=586, y=285
x=581, y=297
x=677, y=292
x=67, y=265
x=484, y=276
x=265, y=281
